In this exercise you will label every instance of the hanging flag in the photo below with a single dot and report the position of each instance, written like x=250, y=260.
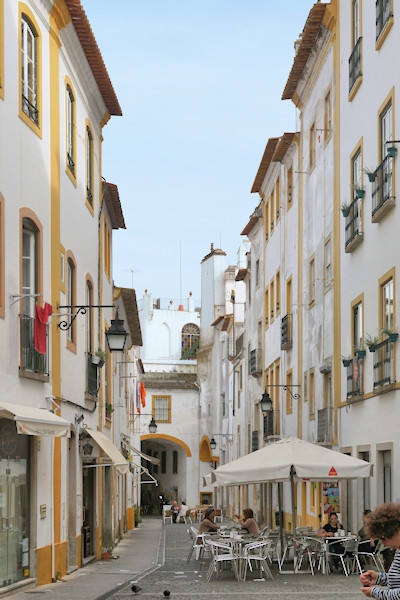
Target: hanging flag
x=142, y=394
x=42, y=314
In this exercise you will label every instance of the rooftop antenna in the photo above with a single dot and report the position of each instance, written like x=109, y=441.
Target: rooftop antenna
x=180, y=271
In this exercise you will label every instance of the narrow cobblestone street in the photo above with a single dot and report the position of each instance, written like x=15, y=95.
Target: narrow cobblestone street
x=188, y=580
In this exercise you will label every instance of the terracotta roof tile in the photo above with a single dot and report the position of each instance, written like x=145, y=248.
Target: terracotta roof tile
x=88, y=42
x=264, y=164
x=308, y=38
x=282, y=147
x=132, y=315
x=113, y=204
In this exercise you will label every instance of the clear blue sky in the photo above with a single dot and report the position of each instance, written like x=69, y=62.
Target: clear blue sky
x=200, y=85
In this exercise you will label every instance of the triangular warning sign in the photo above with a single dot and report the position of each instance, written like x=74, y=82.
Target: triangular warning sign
x=332, y=472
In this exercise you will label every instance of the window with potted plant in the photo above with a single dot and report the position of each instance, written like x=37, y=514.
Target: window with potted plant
x=109, y=410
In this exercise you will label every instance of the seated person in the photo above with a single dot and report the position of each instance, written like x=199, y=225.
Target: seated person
x=175, y=511
x=328, y=530
x=207, y=524
x=182, y=512
x=366, y=545
x=248, y=522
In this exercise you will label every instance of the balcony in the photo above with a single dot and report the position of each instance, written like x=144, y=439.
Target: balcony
x=92, y=377
x=353, y=225
x=255, y=365
x=286, y=332
x=383, y=366
x=355, y=65
x=32, y=364
x=382, y=199
x=354, y=378
x=268, y=424
x=324, y=426
x=383, y=14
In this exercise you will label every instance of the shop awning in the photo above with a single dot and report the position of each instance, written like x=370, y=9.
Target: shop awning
x=35, y=421
x=140, y=470
x=110, y=449
x=152, y=459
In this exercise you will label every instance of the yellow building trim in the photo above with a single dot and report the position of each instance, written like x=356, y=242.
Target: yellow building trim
x=55, y=265
x=205, y=453
x=337, y=368
x=170, y=438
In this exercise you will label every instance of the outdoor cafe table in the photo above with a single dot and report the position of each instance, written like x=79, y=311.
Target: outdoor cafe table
x=237, y=543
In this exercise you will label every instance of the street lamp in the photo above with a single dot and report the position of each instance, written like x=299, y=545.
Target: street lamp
x=265, y=403
x=116, y=335
x=152, y=426
x=213, y=443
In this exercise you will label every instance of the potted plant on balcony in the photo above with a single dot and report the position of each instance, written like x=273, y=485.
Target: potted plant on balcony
x=371, y=341
x=345, y=208
x=370, y=173
x=360, y=351
x=346, y=360
x=109, y=410
x=99, y=357
x=359, y=190
x=391, y=333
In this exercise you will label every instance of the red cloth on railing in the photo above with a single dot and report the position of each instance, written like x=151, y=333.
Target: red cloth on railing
x=42, y=314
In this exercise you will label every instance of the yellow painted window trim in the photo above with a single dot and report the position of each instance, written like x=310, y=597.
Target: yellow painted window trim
x=25, y=11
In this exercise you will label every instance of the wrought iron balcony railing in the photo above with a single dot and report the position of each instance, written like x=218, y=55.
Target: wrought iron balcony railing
x=31, y=360
x=255, y=364
x=382, y=197
x=286, y=332
x=355, y=377
x=92, y=376
x=383, y=364
x=355, y=64
x=353, y=223
x=383, y=13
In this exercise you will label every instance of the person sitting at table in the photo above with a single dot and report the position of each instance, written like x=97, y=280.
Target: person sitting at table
x=175, y=511
x=366, y=544
x=207, y=524
x=182, y=512
x=383, y=524
x=328, y=530
x=248, y=522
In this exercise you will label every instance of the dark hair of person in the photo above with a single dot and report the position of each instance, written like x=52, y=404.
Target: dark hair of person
x=248, y=513
x=384, y=522
x=332, y=514
x=209, y=511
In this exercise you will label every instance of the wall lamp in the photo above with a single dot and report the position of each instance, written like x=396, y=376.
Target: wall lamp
x=227, y=436
x=87, y=448
x=152, y=425
x=116, y=335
